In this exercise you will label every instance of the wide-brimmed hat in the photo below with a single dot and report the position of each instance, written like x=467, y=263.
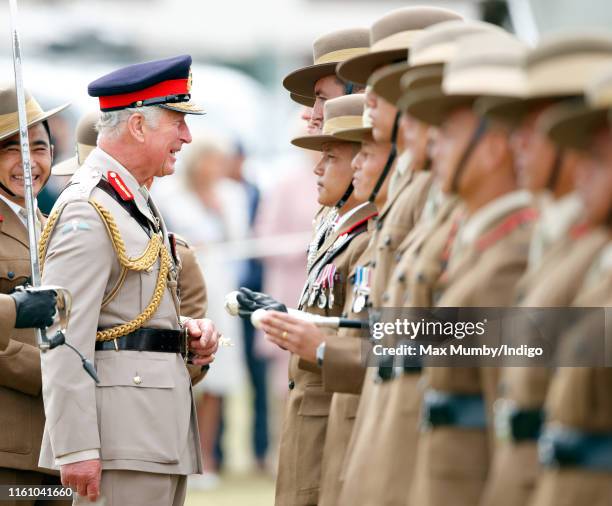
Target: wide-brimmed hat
x=305, y=101
x=339, y=114
x=557, y=69
x=484, y=64
x=86, y=141
x=390, y=38
x=435, y=45
x=327, y=51
x=9, y=117
x=571, y=124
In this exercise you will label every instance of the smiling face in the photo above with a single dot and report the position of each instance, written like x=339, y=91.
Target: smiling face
x=11, y=169
x=162, y=142
x=334, y=172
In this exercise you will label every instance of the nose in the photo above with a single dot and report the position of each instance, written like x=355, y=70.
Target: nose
x=356, y=161
x=306, y=114
x=185, y=134
x=318, y=168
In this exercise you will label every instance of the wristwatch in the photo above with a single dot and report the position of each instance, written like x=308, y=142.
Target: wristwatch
x=320, y=353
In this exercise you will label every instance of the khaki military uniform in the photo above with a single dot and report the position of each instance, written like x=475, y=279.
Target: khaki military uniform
x=487, y=259
x=118, y=420
x=8, y=314
x=22, y=415
x=395, y=221
x=343, y=374
x=515, y=467
x=396, y=428
x=579, y=400
x=308, y=403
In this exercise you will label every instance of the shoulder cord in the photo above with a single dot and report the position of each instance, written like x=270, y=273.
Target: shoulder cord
x=154, y=250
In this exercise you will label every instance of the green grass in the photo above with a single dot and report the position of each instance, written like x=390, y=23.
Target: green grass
x=237, y=490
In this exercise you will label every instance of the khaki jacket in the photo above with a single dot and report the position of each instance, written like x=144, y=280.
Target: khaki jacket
x=22, y=415
x=397, y=218
x=307, y=407
x=554, y=282
x=488, y=256
x=359, y=485
x=343, y=373
x=7, y=319
x=579, y=399
x=397, y=419
x=141, y=415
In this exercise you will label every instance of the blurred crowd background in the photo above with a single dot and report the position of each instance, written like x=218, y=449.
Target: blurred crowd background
x=242, y=195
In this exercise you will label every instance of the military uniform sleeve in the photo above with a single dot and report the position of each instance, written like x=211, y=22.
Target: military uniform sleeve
x=7, y=319
x=192, y=290
x=342, y=369
x=81, y=261
x=20, y=367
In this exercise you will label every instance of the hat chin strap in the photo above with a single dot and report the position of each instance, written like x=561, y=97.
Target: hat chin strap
x=6, y=190
x=476, y=136
x=390, y=159
x=345, y=197
x=555, y=172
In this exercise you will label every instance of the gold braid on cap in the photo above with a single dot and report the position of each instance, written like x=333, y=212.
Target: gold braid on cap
x=154, y=250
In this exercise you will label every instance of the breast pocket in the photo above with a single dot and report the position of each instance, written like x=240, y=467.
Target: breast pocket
x=142, y=414
x=13, y=272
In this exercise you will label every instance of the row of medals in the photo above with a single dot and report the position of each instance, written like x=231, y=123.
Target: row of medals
x=322, y=291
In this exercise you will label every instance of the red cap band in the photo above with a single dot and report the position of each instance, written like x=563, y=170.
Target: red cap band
x=171, y=87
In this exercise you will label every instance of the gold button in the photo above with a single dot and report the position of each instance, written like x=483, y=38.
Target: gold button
x=137, y=380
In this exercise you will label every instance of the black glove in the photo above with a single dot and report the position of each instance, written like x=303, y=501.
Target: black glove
x=250, y=301
x=34, y=309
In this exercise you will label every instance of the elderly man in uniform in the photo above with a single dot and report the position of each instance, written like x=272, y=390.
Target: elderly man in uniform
x=132, y=438
x=487, y=256
x=22, y=415
x=562, y=249
x=576, y=445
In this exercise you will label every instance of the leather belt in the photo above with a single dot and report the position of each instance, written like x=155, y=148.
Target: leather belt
x=565, y=447
x=144, y=339
x=516, y=423
x=455, y=410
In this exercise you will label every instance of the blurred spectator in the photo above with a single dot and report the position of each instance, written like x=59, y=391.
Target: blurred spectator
x=206, y=208
x=252, y=277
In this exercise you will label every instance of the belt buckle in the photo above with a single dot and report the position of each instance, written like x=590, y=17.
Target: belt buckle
x=185, y=344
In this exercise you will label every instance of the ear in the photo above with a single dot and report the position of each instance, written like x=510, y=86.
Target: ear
x=136, y=127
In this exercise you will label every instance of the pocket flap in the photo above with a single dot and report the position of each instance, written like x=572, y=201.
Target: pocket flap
x=315, y=402
x=135, y=372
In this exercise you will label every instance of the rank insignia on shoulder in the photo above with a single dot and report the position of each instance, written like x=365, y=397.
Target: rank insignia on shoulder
x=75, y=226
x=120, y=187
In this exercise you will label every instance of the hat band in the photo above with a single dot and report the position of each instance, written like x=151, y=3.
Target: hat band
x=340, y=55
x=159, y=90
x=341, y=123
x=10, y=122
x=399, y=40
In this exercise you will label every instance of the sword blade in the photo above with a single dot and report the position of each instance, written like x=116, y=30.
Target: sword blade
x=25, y=157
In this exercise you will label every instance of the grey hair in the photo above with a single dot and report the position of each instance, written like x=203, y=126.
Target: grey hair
x=111, y=123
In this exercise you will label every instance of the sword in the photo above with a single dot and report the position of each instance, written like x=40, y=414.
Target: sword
x=43, y=342
x=64, y=298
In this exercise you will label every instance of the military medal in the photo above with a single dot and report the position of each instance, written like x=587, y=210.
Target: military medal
x=322, y=300
x=330, y=282
x=362, y=288
x=313, y=295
